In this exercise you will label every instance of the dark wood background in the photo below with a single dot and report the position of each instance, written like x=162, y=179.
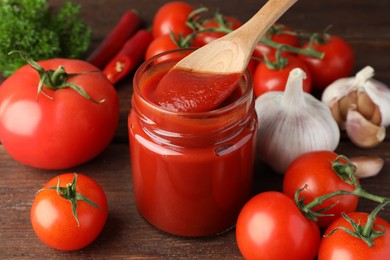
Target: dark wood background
x=365, y=24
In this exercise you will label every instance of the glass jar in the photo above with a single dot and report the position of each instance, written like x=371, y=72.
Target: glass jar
x=192, y=172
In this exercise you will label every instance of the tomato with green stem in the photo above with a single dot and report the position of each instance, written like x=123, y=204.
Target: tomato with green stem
x=338, y=61
x=314, y=171
x=214, y=28
x=270, y=226
x=272, y=76
x=69, y=212
x=168, y=42
x=171, y=18
x=278, y=34
x=352, y=237
x=57, y=113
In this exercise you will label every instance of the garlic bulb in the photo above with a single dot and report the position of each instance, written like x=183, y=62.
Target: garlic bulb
x=361, y=106
x=291, y=123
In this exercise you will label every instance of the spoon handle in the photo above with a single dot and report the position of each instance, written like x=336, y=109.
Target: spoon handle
x=259, y=24
x=232, y=52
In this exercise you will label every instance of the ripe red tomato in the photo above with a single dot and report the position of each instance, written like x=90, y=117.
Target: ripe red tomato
x=270, y=226
x=204, y=38
x=266, y=79
x=57, y=129
x=278, y=33
x=161, y=44
x=52, y=217
x=341, y=245
x=172, y=17
x=338, y=62
x=314, y=169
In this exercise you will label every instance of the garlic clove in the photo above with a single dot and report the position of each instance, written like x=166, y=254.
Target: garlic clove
x=367, y=166
x=365, y=106
x=362, y=132
x=344, y=104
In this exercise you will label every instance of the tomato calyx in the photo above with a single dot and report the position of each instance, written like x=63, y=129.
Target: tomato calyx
x=56, y=79
x=69, y=193
x=367, y=233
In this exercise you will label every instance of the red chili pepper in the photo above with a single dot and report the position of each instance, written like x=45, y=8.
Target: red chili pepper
x=127, y=26
x=129, y=57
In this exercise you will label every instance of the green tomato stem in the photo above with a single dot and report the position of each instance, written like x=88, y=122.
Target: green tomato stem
x=307, y=52
x=368, y=227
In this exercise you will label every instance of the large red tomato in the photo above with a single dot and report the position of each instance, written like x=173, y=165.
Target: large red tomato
x=52, y=216
x=338, y=62
x=57, y=129
x=269, y=79
x=314, y=169
x=270, y=226
x=172, y=17
x=341, y=245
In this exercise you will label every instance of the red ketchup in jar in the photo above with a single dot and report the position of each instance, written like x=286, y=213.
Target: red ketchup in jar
x=192, y=170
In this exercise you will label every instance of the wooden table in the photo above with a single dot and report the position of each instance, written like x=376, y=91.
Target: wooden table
x=365, y=24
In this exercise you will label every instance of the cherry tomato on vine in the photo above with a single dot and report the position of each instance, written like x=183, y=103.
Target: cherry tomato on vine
x=278, y=33
x=59, y=125
x=314, y=169
x=161, y=44
x=203, y=38
x=338, y=62
x=341, y=245
x=55, y=222
x=268, y=79
x=270, y=226
x=172, y=17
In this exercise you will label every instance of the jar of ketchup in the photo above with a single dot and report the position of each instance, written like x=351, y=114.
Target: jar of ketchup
x=192, y=171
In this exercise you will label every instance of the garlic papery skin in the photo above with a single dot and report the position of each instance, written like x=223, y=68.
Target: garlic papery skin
x=291, y=123
x=361, y=106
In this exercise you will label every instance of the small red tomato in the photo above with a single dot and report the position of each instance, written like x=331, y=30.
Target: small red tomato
x=314, y=169
x=172, y=17
x=278, y=33
x=338, y=62
x=341, y=245
x=267, y=79
x=204, y=38
x=270, y=226
x=53, y=219
x=159, y=45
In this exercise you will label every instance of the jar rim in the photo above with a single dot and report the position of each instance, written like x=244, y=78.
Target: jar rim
x=247, y=91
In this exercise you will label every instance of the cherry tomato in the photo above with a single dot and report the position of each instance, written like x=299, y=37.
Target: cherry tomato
x=314, y=169
x=204, y=38
x=270, y=226
x=172, y=17
x=341, y=245
x=266, y=79
x=57, y=129
x=159, y=45
x=338, y=62
x=52, y=217
x=278, y=33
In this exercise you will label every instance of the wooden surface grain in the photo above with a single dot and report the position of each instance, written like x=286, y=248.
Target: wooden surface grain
x=365, y=24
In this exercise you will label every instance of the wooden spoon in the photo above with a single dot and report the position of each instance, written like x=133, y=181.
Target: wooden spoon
x=205, y=78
